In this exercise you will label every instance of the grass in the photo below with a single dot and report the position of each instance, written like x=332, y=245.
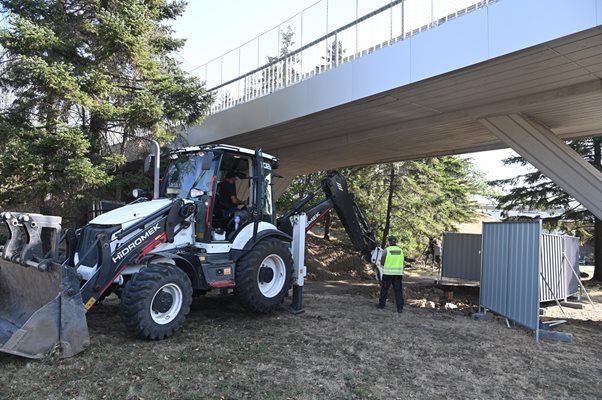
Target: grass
x=340, y=348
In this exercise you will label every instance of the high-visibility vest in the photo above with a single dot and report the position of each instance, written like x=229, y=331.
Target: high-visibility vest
x=393, y=261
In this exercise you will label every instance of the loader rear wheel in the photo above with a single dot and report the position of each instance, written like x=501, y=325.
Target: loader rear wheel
x=155, y=302
x=263, y=276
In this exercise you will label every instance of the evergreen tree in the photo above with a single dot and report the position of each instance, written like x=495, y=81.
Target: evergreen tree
x=411, y=199
x=88, y=78
x=334, y=53
x=282, y=67
x=535, y=191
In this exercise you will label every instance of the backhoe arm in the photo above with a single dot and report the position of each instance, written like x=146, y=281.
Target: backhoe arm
x=350, y=214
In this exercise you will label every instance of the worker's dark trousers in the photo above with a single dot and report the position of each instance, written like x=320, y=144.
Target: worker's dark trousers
x=385, y=284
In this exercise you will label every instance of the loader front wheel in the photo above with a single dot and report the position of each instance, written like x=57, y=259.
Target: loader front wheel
x=155, y=302
x=263, y=276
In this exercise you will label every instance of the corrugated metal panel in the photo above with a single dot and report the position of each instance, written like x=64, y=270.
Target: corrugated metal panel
x=510, y=270
x=556, y=269
x=494, y=283
x=461, y=256
x=552, y=284
x=571, y=251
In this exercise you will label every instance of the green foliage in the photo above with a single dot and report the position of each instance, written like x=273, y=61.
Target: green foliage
x=429, y=196
x=335, y=52
x=88, y=78
x=300, y=187
x=35, y=162
x=535, y=191
x=278, y=73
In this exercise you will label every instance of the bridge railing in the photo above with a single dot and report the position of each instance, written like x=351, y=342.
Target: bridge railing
x=323, y=36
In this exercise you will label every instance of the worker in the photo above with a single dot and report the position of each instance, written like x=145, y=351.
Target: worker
x=392, y=261
x=434, y=252
x=227, y=194
x=437, y=254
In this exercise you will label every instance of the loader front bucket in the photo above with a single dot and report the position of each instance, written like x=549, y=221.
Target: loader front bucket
x=41, y=309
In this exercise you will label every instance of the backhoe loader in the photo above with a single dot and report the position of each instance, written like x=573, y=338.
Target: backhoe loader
x=159, y=251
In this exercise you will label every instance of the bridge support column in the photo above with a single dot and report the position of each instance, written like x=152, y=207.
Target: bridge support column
x=549, y=154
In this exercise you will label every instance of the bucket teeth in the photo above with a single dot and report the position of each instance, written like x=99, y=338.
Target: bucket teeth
x=41, y=306
x=17, y=239
x=33, y=237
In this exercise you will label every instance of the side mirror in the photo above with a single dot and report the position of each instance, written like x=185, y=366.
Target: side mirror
x=207, y=161
x=147, y=163
x=194, y=193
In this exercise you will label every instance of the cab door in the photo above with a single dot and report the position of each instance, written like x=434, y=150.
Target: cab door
x=258, y=189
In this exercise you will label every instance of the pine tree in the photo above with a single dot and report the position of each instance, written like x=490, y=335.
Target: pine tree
x=88, y=78
x=412, y=200
x=282, y=67
x=534, y=190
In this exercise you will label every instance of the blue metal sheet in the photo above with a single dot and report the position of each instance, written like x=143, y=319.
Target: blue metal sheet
x=552, y=285
x=571, y=251
x=461, y=256
x=559, y=255
x=510, y=270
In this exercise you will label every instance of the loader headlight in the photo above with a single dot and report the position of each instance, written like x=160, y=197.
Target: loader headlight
x=138, y=193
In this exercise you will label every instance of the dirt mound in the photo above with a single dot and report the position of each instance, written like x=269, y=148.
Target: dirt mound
x=329, y=260
x=336, y=260
x=458, y=299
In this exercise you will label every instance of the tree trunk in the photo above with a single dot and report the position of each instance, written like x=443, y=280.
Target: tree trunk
x=327, y=226
x=96, y=128
x=387, y=227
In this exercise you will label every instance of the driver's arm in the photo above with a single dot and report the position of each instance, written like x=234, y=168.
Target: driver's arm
x=236, y=201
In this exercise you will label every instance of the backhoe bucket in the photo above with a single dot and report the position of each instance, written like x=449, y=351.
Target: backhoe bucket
x=41, y=309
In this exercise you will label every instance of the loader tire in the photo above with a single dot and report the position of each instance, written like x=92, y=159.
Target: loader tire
x=156, y=301
x=263, y=276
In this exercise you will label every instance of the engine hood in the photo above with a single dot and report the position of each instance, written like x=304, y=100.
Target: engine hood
x=131, y=213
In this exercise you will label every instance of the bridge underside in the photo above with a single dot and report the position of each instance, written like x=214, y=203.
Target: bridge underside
x=558, y=84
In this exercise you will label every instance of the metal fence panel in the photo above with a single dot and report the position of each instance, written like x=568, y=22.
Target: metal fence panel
x=461, y=256
x=511, y=269
x=552, y=283
x=494, y=283
x=571, y=251
x=559, y=254
x=324, y=35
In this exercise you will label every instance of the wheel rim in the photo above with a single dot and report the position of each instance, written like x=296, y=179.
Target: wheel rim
x=271, y=275
x=166, y=304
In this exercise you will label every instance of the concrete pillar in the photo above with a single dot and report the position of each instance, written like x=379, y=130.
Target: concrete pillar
x=549, y=154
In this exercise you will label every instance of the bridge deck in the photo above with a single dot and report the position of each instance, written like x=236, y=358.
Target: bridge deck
x=379, y=108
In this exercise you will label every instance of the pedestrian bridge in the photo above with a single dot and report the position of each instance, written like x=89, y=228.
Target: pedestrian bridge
x=494, y=74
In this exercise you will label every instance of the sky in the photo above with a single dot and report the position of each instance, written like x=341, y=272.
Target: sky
x=490, y=162
x=213, y=28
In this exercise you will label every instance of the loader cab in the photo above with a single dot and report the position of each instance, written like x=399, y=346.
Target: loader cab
x=199, y=174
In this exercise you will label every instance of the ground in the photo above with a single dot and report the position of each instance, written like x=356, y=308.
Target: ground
x=342, y=347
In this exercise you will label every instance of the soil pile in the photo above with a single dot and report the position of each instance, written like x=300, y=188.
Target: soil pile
x=336, y=260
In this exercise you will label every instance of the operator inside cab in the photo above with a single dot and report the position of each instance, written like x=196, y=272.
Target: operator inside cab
x=227, y=200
